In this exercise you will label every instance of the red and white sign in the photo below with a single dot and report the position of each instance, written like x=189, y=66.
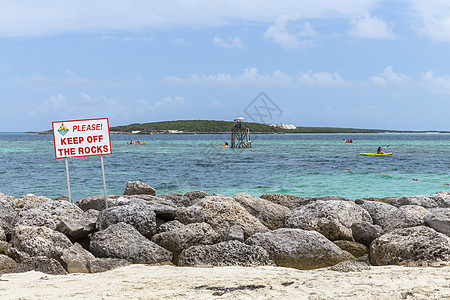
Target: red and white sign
x=78, y=138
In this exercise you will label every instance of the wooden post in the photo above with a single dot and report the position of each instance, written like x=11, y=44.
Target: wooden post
x=240, y=138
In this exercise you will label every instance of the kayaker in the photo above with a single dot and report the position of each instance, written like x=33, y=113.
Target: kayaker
x=380, y=151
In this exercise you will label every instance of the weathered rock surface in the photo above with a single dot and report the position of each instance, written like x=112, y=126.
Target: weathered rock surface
x=97, y=202
x=25, y=202
x=413, y=246
x=300, y=249
x=354, y=248
x=40, y=241
x=230, y=253
x=441, y=199
x=366, y=232
x=2, y=235
x=40, y=264
x=8, y=218
x=189, y=235
x=178, y=199
x=290, y=201
x=193, y=196
x=139, y=215
x=163, y=211
x=236, y=232
x=332, y=218
x=6, y=264
x=439, y=219
x=122, y=240
x=221, y=213
x=381, y=212
x=270, y=214
x=168, y=226
x=76, y=259
x=98, y=265
x=137, y=188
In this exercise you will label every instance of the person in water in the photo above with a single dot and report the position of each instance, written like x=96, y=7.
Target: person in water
x=380, y=151
x=225, y=145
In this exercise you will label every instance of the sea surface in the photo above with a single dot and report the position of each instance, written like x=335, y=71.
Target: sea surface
x=306, y=165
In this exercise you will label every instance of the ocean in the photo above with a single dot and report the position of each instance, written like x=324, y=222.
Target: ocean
x=306, y=165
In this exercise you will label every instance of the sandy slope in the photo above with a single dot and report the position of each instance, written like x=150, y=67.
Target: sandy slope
x=169, y=282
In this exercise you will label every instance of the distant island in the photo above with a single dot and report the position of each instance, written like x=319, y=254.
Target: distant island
x=212, y=126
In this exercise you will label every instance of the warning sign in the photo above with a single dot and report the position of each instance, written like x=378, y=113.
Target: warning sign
x=79, y=138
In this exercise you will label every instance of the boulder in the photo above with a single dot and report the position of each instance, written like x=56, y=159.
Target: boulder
x=290, y=201
x=97, y=202
x=332, y=218
x=8, y=218
x=381, y=213
x=97, y=265
x=168, y=226
x=25, y=202
x=354, y=248
x=300, y=249
x=6, y=264
x=138, y=188
x=122, y=240
x=366, y=232
x=76, y=259
x=437, y=200
x=162, y=211
x=16, y=254
x=178, y=199
x=270, y=214
x=193, y=196
x=413, y=246
x=221, y=213
x=2, y=235
x=4, y=247
x=439, y=219
x=40, y=264
x=39, y=241
x=236, y=232
x=139, y=215
x=230, y=253
x=189, y=235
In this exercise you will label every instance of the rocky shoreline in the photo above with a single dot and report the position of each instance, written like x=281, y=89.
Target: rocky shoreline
x=201, y=230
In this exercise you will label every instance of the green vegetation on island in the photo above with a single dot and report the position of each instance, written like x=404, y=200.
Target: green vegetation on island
x=211, y=126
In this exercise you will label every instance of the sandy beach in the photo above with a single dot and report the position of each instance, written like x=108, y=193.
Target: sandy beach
x=169, y=282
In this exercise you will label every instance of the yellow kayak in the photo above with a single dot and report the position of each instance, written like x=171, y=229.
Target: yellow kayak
x=140, y=143
x=376, y=154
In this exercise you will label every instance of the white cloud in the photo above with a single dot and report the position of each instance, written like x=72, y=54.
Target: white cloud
x=249, y=78
x=369, y=27
x=433, y=18
x=390, y=78
x=324, y=79
x=179, y=41
x=284, y=36
x=234, y=42
x=439, y=85
x=44, y=17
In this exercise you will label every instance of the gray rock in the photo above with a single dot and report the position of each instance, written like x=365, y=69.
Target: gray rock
x=437, y=200
x=236, y=233
x=168, y=226
x=439, y=219
x=350, y=266
x=162, y=211
x=270, y=214
x=122, y=240
x=332, y=218
x=381, y=213
x=139, y=215
x=354, y=248
x=193, y=196
x=413, y=246
x=2, y=235
x=40, y=241
x=178, y=199
x=6, y=264
x=25, y=202
x=8, y=218
x=40, y=264
x=18, y=256
x=221, y=213
x=230, y=253
x=4, y=247
x=76, y=259
x=98, y=265
x=97, y=202
x=189, y=235
x=300, y=249
x=366, y=232
x=138, y=188
x=290, y=201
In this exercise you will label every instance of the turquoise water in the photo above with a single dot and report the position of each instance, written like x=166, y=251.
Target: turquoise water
x=304, y=165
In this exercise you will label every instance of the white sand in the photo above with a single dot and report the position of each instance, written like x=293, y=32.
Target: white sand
x=169, y=282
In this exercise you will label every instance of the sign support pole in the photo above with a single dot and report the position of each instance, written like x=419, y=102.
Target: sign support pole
x=68, y=181
x=104, y=181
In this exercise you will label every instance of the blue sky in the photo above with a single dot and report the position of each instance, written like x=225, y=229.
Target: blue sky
x=362, y=64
